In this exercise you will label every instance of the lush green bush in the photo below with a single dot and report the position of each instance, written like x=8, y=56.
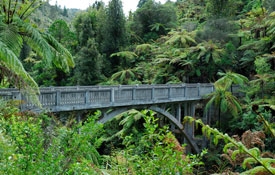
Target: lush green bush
x=31, y=144
x=157, y=151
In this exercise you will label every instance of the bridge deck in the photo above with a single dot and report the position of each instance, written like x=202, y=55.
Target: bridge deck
x=55, y=99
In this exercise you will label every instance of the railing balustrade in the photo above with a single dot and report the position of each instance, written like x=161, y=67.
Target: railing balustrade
x=91, y=97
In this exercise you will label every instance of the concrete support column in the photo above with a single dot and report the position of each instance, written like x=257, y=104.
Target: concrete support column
x=78, y=116
x=178, y=112
x=173, y=112
x=189, y=110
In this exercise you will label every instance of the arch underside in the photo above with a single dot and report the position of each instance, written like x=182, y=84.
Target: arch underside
x=111, y=114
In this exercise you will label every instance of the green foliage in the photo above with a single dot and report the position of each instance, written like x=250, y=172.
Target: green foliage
x=180, y=38
x=152, y=19
x=262, y=164
x=222, y=98
x=89, y=65
x=156, y=151
x=114, y=29
x=39, y=145
x=230, y=78
x=15, y=30
x=60, y=30
x=225, y=8
x=84, y=24
x=126, y=76
x=262, y=67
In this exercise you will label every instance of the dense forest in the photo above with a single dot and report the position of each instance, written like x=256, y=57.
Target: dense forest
x=224, y=42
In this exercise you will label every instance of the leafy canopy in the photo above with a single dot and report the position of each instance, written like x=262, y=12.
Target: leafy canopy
x=16, y=29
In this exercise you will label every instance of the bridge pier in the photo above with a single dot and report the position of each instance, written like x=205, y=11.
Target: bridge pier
x=193, y=109
x=189, y=110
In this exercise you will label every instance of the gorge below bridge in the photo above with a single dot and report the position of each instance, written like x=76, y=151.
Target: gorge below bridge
x=182, y=99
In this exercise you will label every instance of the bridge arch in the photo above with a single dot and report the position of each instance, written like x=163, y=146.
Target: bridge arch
x=110, y=115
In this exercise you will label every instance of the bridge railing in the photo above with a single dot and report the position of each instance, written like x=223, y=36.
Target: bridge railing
x=92, y=97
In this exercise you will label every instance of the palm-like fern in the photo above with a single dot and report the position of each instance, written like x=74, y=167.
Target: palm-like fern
x=180, y=38
x=224, y=99
x=261, y=84
x=271, y=24
x=208, y=52
x=124, y=76
x=14, y=30
x=228, y=78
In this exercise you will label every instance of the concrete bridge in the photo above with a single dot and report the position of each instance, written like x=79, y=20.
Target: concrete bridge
x=113, y=100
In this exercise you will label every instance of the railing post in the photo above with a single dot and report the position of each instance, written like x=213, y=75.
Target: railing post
x=18, y=96
x=87, y=99
x=134, y=93
x=58, y=98
x=153, y=93
x=112, y=95
x=199, y=88
x=169, y=92
x=184, y=90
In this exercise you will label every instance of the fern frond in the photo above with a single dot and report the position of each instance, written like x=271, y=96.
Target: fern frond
x=227, y=146
x=63, y=57
x=144, y=48
x=254, y=156
x=125, y=54
x=10, y=36
x=25, y=82
x=46, y=46
x=35, y=40
x=256, y=170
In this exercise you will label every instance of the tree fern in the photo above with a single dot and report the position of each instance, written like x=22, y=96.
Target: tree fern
x=208, y=52
x=228, y=78
x=14, y=30
x=180, y=38
x=10, y=36
x=125, y=54
x=271, y=23
x=124, y=76
x=62, y=57
x=15, y=70
x=35, y=40
x=144, y=48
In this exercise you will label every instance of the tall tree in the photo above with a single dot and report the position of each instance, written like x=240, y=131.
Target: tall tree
x=89, y=65
x=141, y=3
x=114, y=29
x=14, y=30
x=85, y=26
x=222, y=8
x=63, y=34
x=153, y=20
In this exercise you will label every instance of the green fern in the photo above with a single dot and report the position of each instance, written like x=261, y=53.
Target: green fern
x=254, y=156
x=180, y=38
x=144, y=48
x=15, y=30
x=125, y=54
